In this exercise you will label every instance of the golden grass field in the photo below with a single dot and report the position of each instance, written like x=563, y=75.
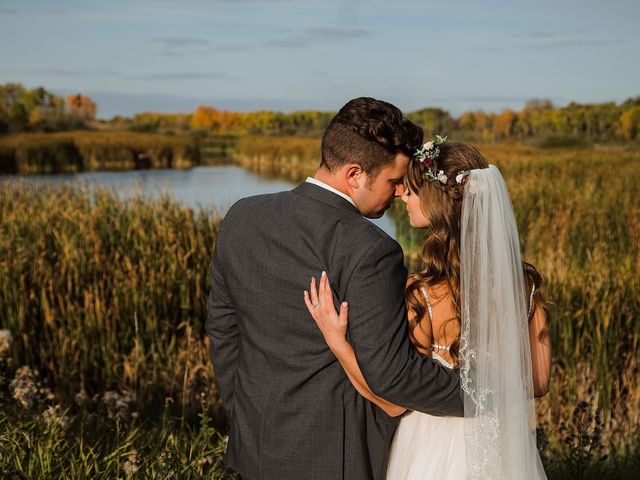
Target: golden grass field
x=106, y=299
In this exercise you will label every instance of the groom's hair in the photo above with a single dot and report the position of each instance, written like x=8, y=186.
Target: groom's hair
x=368, y=132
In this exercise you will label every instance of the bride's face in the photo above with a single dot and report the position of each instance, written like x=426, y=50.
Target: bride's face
x=417, y=218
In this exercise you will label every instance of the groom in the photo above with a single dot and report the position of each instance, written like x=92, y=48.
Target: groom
x=293, y=412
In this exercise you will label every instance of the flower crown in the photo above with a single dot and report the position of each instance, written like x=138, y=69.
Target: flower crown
x=427, y=155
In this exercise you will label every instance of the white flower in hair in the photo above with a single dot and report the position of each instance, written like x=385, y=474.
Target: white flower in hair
x=427, y=155
x=462, y=177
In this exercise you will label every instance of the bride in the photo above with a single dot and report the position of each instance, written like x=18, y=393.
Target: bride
x=475, y=307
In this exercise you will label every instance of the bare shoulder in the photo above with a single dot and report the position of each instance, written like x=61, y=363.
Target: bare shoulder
x=411, y=278
x=435, y=293
x=418, y=291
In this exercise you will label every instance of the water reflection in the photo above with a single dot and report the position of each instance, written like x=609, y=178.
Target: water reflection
x=213, y=187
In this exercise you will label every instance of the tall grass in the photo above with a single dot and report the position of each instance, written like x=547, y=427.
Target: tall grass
x=88, y=445
x=104, y=293
x=105, y=300
x=292, y=158
x=108, y=294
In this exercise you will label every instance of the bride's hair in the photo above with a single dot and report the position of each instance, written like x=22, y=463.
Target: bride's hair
x=442, y=206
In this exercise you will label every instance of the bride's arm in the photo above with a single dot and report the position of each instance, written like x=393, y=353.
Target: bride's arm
x=540, y=352
x=347, y=358
x=334, y=329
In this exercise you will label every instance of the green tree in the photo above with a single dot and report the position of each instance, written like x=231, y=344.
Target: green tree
x=432, y=120
x=14, y=112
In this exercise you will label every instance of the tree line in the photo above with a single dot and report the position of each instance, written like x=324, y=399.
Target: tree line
x=23, y=110
x=538, y=119
x=206, y=119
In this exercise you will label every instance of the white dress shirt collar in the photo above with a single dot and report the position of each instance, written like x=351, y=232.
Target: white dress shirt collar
x=331, y=189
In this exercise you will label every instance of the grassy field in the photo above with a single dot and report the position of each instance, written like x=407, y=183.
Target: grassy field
x=104, y=301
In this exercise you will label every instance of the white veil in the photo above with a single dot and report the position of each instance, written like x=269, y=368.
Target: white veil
x=495, y=358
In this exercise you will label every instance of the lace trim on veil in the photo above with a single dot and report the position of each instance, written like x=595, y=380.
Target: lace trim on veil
x=481, y=442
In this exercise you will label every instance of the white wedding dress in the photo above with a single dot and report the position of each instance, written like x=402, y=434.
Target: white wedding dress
x=427, y=447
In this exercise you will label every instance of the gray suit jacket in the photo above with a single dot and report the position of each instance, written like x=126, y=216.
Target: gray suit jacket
x=293, y=412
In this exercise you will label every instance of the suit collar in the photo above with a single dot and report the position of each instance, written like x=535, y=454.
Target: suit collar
x=325, y=196
x=326, y=186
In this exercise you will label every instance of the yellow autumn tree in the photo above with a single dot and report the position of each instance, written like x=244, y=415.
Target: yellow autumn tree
x=81, y=106
x=219, y=121
x=504, y=124
x=630, y=123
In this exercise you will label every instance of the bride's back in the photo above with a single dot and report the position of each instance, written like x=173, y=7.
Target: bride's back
x=437, y=329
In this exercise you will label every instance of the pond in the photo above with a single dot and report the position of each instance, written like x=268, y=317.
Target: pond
x=214, y=187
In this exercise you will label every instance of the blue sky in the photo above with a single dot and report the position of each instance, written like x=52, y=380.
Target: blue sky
x=171, y=55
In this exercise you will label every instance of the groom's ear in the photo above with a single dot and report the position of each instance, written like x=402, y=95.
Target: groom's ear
x=354, y=174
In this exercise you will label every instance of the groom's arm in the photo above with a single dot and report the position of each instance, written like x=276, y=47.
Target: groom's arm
x=378, y=332
x=222, y=329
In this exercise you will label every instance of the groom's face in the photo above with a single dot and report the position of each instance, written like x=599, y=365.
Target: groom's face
x=377, y=193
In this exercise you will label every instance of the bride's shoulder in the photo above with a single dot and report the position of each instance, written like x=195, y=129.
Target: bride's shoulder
x=423, y=290
x=416, y=286
x=411, y=278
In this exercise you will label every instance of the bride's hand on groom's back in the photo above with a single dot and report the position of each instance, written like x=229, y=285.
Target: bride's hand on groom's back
x=319, y=302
